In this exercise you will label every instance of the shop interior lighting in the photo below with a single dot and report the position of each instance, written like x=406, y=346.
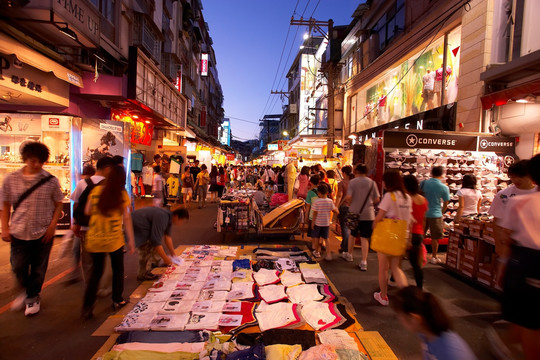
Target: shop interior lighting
x=135, y=116
x=306, y=36
x=68, y=32
x=301, y=47
x=147, y=121
x=325, y=159
x=352, y=137
x=527, y=99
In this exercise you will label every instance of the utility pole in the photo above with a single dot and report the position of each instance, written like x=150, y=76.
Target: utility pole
x=329, y=69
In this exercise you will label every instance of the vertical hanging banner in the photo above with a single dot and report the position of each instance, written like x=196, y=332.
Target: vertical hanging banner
x=204, y=64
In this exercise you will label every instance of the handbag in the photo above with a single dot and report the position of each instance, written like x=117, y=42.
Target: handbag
x=390, y=235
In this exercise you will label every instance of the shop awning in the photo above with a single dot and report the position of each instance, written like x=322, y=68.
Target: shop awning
x=31, y=57
x=522, y=91
x=187, y=133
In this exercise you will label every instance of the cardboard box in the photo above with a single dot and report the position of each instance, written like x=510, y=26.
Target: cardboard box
x=462, y=228
x=453, y=241
x=467, y=266
x=470, y=244
x=484, y=279
x=488, y=236
x=489, y=227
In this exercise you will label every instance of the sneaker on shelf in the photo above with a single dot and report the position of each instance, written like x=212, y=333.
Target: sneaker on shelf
x=349, y=257
x=316, y=254
x=377, y=296
x=363, y=265
x=32, y=308
x=18, y=303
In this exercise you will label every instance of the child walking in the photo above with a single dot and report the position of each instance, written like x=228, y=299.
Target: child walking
x=322, y=211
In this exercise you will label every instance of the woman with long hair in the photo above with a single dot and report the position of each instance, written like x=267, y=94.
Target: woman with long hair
x=108, y=207
x=419, y=208
x=213, y=184
x=420, y=312
x=395, y=204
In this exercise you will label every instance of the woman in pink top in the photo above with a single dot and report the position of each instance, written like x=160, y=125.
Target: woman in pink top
x=419, y=208
x=302, y=182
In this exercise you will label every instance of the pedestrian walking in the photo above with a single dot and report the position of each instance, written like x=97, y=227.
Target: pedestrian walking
x=416, y=243
x=323, y=208
x=79, y=196
x=435, y=192
x=201, y=184
x=362, y=196
x=346, y=248
x=521, y=277
x=302, y=182
x=187, y=186
x=395, y=204
x=213, y=184
x=195, y=170
x=36, y=199
x=422, y=314
x=158, y=187
x=108, y=207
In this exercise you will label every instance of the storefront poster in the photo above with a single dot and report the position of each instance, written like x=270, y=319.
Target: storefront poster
x=102, y=138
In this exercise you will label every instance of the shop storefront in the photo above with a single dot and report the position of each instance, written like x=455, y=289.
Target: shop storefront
x=471, y=244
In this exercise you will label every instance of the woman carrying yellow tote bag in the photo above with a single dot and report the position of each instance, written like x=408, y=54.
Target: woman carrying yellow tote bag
x=390, y=232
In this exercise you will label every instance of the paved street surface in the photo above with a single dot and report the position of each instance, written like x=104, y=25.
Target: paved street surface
x=58, y=333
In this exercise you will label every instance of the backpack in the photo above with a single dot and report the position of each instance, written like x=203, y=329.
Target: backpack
x=78, y=212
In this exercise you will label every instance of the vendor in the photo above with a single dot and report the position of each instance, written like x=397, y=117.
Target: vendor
x=151, y=225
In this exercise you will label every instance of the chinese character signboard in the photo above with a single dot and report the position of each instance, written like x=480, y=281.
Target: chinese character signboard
x=204, y=64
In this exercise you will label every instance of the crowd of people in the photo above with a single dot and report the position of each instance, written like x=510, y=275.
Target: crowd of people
x=393, y=225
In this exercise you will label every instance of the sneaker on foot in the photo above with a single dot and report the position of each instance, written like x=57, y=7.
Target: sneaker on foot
x=328, y=257
x=377, y=296
x=316, y=254
x=363, y=266
x=349, y=257
x=32, y=308
x=435, y=260
x=18, y=303
x=343, y=255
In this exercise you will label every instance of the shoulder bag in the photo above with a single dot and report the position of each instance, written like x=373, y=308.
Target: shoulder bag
x=31, y=190
x=390, y=235
x=353, y=219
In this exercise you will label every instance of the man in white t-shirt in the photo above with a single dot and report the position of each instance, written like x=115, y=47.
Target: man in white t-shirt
x=521, y=282
x=521, y=185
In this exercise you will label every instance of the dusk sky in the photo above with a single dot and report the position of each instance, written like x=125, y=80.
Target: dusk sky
x=249, y=39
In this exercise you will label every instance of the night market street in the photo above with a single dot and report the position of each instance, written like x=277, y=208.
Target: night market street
x=57, y=332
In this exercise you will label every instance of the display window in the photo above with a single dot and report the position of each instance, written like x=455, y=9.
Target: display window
x=411, y=87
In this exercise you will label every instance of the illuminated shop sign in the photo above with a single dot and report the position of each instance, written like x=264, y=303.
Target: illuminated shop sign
x=273, y=147
x=204, y=64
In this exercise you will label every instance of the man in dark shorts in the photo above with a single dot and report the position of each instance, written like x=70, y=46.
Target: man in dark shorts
x=362, y=195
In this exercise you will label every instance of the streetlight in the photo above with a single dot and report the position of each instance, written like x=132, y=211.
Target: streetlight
x=285, y=134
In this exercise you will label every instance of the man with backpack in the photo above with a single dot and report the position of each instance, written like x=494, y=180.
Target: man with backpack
x=80, y=197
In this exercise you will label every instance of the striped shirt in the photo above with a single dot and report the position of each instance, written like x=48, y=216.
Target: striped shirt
x=34, y=214
x=323, y=207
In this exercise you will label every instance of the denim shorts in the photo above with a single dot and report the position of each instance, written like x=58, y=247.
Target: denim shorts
x=320, y=232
